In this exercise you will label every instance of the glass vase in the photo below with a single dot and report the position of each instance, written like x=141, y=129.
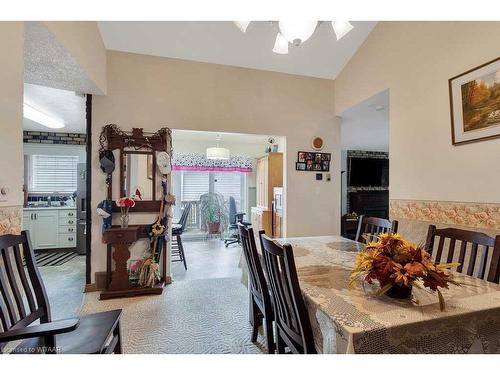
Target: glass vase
x=124, y=220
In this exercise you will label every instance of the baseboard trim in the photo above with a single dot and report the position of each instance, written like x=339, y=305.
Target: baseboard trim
x=90, y=288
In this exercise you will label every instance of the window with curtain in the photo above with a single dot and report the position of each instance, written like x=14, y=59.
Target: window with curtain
x=53, y=174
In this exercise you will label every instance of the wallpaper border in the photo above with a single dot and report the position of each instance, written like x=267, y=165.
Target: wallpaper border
x=11, y=219
x=469, y=214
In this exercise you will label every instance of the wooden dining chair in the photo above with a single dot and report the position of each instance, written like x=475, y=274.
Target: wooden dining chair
x=373, y=226
x=261, y=306
x=472, y=245
x=23, y=301
x=292, y=325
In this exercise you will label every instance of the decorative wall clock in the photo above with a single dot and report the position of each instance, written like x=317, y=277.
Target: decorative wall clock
x=317, y=143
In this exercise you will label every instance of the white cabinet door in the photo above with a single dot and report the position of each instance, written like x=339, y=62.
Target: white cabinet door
x=28, y=219
x=46, y=227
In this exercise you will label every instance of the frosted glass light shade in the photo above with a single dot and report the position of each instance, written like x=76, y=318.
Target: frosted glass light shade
x=281, y=45
x=217, y=153
x=242, y=25
x=341, y=28
x=297, y=32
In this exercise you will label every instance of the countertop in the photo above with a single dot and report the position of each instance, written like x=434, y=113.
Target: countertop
x=50, y=208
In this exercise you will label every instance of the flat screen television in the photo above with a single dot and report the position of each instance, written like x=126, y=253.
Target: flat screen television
x=368, y=172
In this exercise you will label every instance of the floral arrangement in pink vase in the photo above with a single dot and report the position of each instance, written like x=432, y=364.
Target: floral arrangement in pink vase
x=125, y=204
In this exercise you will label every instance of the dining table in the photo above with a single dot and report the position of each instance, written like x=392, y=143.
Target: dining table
x=358, y=320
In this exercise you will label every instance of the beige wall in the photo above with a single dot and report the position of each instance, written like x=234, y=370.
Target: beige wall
x=11, y=117
x=83, y=41
x=150, y=92
x=11, y=110
x=415, y=60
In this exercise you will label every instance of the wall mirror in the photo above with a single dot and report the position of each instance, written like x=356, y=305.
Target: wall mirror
x=138, y=174
x=137, y=164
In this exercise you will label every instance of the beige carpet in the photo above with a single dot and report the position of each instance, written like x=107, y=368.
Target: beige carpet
x=195, y=316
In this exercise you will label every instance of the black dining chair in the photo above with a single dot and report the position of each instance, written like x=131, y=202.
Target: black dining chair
x=370, y=227
x=25, y=310
x=292, y=325
x=473, y=245
x=177, y=248
x=261, y=309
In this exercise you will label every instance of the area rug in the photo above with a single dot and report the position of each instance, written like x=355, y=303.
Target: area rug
x=54, y=258
x=196, y=316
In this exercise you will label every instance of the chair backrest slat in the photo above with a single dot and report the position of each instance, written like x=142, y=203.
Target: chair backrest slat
x=7, y=295
x=185, y=214
x=11, y=276
x=291, y=315
x=373, y=226
x=258, y=283
x=461, y=257
x=482, y=262
x=20, y=284
x=451, y=250
x=470, y=244
x=24, y=281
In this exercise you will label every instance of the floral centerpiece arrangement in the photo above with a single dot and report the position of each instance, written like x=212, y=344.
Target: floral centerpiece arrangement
x=398, y=265
x=125, y=203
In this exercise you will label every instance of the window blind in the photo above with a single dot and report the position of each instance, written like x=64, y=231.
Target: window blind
x=228, y=184
x=53, y=174
x=194, y=184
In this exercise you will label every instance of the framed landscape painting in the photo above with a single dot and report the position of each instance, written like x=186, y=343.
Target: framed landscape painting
x=475, y=104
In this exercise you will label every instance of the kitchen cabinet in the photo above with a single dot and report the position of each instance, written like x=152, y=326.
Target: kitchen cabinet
x=51, y=228
x=269, y=174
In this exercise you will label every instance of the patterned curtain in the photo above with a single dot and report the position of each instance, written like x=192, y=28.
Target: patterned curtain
x=199, y=162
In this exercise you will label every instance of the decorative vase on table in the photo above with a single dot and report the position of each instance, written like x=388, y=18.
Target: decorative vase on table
x=124, y=220
x=399, y=265
x=125, y=204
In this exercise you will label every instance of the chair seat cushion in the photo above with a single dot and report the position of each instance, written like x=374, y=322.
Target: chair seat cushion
x=91, y=335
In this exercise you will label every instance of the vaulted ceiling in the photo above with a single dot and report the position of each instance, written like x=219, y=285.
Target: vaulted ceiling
x=223, y=43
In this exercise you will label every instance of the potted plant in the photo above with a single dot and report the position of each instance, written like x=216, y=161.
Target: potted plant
x=213, y=219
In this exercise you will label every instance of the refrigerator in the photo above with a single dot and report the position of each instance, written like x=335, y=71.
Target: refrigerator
x=81, y=214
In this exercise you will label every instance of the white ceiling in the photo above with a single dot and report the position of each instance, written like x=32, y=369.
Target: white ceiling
x=48, y=63
x=221, y=42
x=210, y=137
x=66, y=106
x=366, y=128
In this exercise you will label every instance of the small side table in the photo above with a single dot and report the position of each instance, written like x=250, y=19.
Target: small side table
x=119, y=241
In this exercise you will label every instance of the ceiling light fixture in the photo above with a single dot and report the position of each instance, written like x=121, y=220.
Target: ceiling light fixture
x=341, y=28
x=281, y=45
x=242, y=25
x=297, y=32
x=41, y=118
x=218, y=153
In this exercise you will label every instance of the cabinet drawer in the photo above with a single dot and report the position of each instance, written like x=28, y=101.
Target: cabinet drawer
x=67, y=240
x=71, y=214
x=70, y=221
x=67, y=229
